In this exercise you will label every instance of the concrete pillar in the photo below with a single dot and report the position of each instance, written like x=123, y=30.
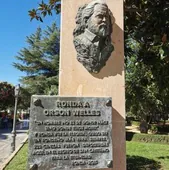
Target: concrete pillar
x=75, y=80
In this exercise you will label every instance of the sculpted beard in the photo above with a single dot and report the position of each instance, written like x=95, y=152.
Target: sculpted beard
x=101, y=30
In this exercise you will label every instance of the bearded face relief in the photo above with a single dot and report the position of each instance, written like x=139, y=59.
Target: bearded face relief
x=99, y=22
x=92, y=35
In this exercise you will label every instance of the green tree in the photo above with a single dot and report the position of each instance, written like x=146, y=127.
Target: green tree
x=40, y=61
x=146, y=55
x=44, y=9
x=6, y=95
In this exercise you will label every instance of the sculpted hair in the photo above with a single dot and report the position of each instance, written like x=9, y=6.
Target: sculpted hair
x=84, y=13
x=89, y=10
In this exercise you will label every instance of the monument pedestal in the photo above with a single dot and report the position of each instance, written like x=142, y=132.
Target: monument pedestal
x=75, y=80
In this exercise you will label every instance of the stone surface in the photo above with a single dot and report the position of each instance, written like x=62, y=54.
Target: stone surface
x=70, y=133
x=92, y=35
x=75, y=80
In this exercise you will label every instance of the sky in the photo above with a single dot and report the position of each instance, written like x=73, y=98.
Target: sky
x=15, y=25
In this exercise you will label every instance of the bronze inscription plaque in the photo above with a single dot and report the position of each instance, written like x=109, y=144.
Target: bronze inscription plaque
x=70, y=133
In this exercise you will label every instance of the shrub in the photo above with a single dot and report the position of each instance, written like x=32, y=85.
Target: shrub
x=153, y=129
x=136, y=123
x=148, y=138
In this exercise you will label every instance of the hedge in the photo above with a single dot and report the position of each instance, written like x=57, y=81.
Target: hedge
x=147, y=138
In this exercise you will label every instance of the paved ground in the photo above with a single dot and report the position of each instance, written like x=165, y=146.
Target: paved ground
x=133, y=128
x=5, y=140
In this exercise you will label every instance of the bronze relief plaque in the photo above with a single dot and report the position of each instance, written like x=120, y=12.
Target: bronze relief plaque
x=70, y=133
x=92, y=35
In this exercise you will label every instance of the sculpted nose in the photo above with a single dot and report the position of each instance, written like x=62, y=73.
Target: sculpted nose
x=104, y=19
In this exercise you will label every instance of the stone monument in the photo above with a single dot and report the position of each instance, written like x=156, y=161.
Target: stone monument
x=77, y=80
x=84, y=127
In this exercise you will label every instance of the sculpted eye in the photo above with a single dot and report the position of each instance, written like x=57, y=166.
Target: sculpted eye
x=100, y=16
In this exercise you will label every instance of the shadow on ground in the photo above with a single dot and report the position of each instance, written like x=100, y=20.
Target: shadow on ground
x=141, y=163
x=3, y=137
x=129, y=136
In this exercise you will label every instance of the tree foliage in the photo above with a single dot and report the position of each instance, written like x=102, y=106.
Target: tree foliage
x=40, y=61
x=6, y=95
x=44, y=9
x=147, y=57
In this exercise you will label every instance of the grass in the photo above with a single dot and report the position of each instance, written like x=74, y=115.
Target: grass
x=135, y=123
x=19, y=162
x=146, y=156
x=140, y=156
